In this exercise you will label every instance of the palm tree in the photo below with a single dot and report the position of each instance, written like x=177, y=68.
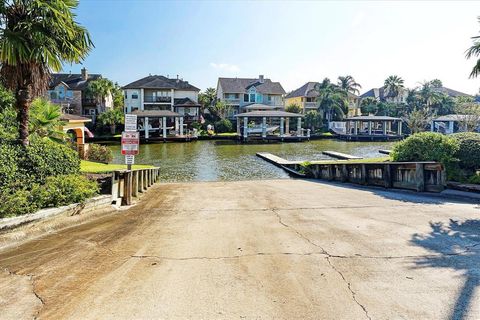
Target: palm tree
x=369, y=105
x=45, y=120
x=36, y=37
x=474, y=51
x=99, y=89
x=332, y=100
x=393, y=86
x=349, y=84
x=207, y=98
x=111, y=118
x=418, y=120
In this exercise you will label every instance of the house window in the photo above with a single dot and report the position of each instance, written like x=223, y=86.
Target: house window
x=135, y=95
x=269, y=98
x=69, y=94
x=252, y=97
x=245, y=97
x=126, y=96
x=237, y=96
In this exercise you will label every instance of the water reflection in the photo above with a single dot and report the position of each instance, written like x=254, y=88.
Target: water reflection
x=229, y=160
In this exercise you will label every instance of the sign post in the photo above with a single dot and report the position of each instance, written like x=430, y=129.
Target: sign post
x=130, y=140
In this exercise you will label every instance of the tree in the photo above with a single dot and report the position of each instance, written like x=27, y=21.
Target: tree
x=111, y=118
x=45, y=120
x=293, y=108
x=36, y=37
x=418, y=120
x=118, y=98
x=349, y=84
x=468, y=115
x=313, y=119
x=369, y=105
x=99, y=89
x=220, y=109
x=436, y=83
x=332, y=100
x=474, y=51
x=393, y=86
x=207, y=98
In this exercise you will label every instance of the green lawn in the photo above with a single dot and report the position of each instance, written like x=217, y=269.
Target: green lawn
x=95, y=167
x=227, y=134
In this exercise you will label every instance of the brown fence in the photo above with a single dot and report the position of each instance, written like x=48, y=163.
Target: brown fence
x=418, y=176
x=127, y=184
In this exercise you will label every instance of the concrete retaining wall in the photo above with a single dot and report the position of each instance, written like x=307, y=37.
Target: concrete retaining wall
x=97, y=203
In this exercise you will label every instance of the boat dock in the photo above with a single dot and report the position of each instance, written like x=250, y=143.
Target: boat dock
x=384, y=151
x=339, y=155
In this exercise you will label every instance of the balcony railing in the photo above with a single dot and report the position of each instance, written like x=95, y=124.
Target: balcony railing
x=311, y=105
x=153, y=99
x=89, y=102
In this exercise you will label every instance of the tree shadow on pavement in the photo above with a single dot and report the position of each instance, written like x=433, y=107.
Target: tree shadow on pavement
x=454, y=245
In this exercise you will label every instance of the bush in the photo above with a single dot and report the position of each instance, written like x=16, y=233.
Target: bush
x=99, y=153
x=223, y=126
x=34, y=163
x=56, y=191
x=475, y=179
x=468, y=153
x=426, y=146
x=62, y=190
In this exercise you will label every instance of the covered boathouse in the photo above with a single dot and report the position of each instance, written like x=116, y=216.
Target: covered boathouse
x=271, y=125
x=372, y=128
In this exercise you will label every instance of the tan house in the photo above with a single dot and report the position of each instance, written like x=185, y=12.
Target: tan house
x=69, y=90
x=306, y=98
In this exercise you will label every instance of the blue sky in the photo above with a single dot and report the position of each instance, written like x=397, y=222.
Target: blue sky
x=290, y=42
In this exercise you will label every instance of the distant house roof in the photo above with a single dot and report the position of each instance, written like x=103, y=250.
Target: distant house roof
x=185, y=102
x=73, y=81
x=269, y=113
x=307, y=90
x=160, y=82
x=241, y=85
x=73, y=118
x=374, y=93
x=259, y=106
x=155, y=113
x=451, y=92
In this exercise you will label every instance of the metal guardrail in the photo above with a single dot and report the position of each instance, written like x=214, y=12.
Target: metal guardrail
x=127, y=184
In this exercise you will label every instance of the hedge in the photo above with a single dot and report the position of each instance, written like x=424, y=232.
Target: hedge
x=99, y=153
x=468, y=153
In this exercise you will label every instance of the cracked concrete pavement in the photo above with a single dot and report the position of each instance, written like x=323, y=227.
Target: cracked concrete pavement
x=283, y=249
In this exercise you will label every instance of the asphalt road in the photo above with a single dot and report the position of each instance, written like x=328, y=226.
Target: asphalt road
x=283, y=249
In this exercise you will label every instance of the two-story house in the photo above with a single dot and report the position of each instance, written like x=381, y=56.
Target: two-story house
x=70, y=91
x=156, y=92
x=382, y=95
x=306, y=98
x=250, y=94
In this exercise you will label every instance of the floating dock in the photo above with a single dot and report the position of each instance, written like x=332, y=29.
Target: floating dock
x=339, y=155
x=384, y=151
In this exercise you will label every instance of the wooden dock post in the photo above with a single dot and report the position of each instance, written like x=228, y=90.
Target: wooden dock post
x=387, y=176
x=135, y=183
x=419, y=177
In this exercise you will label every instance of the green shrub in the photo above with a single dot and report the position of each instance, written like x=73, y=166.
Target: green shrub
x=62, y=190
x=99, y=153
x=426, y=146
x=475, y=179
x=223, y=126
x=16, y=202
x=34, y=163
x=469, y=152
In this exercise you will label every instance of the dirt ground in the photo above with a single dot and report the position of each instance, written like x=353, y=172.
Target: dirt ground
x=283, y=249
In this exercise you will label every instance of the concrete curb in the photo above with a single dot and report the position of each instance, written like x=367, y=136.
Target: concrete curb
x=95, y=203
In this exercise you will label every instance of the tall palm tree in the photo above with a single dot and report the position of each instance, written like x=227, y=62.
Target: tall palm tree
x=111, y=118
x=332, y=100
x=36, y=37
x=349, y=84
x=393, y=86
x=99, y=89
x=474, y=51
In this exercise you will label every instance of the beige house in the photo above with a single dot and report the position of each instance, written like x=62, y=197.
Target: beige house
x=69, y=90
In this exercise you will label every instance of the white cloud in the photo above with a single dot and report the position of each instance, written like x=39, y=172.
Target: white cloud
x=225, y=67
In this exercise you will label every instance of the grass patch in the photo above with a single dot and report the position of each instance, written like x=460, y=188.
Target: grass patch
x=95, y=167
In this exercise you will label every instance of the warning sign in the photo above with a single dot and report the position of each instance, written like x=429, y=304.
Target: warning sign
x=130, y=143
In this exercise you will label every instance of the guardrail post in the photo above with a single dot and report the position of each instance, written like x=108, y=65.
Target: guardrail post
x=419, y=177
x=140, y=181
x=363, y=174
x=387, y=176
x=135, y=183
x=344, y=173
x=115, y=185
x=127, y=189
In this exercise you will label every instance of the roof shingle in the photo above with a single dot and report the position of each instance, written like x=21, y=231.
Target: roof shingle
x=241, y=85
x=160, y=82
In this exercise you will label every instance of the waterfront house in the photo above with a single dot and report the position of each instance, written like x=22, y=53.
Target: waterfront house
x=69, y=90
x=156, y=93
x=382, y=95
x=250, y=94
x=306, y=98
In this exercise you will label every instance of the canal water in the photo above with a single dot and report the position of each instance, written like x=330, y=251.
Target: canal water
x=225, y=160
